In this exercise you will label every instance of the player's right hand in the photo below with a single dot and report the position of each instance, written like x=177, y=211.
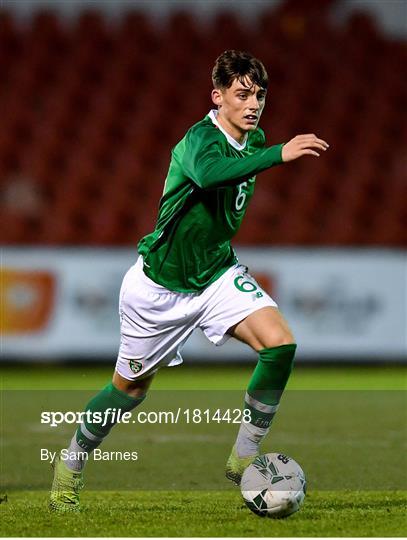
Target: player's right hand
x=303, y=145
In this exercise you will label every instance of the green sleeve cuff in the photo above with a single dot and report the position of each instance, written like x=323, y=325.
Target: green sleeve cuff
x=277, y=153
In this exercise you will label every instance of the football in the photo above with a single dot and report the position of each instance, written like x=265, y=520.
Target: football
x=273, y=486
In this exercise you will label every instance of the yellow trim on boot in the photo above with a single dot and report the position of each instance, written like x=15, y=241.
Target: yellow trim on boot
x=65, y=488
x=235, y=466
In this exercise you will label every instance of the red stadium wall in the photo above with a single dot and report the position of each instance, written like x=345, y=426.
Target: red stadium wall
x=90, y=111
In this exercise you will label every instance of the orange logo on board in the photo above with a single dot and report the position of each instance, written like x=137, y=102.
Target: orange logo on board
x=27, y=300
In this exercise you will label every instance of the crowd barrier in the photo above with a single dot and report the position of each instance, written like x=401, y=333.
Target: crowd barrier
x=341, y=304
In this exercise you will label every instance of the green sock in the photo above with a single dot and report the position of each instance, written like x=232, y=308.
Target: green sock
x=263, y=395
x=90, y=434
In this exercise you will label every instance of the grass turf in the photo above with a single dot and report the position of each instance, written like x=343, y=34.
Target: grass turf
x=169, y=514
x=218, y=512
x=187, y=377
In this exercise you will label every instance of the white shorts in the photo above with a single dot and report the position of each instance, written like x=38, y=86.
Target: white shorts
x=155, y=322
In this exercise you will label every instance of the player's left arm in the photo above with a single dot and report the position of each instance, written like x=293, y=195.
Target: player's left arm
x=204, y=163
x=303, y=145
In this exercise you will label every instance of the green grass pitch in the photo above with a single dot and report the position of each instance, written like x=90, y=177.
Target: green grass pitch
x=347, y=426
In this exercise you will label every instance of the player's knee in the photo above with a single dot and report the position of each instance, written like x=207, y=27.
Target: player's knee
x=280, y=336
x=135, y=388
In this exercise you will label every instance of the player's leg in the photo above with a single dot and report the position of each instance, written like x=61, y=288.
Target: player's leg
x=267, y=332
x=235, y=305
x=147, y=343
x=120, y=394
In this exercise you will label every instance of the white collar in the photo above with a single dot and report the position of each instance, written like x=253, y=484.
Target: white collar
x=213, y=113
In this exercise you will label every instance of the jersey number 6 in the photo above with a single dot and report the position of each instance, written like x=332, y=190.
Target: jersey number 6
x=241, y=196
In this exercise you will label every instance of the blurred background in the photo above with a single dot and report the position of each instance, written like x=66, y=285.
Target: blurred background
x=93, y=96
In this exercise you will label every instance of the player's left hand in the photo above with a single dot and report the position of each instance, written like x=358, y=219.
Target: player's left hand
x=303, y=145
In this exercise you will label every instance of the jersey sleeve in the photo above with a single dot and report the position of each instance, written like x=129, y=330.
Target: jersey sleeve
x=205, y=164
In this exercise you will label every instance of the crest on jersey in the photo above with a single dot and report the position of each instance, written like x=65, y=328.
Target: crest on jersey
x=135, y=366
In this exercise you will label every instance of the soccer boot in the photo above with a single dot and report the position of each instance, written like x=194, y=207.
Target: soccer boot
x=65, y=488
x=235, y=466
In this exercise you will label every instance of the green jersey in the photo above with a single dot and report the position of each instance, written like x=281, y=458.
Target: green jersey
x=210, y=181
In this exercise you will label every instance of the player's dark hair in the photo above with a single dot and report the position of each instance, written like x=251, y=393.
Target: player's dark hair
x=232, y=65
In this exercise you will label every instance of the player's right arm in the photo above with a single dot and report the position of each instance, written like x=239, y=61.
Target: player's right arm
x=205, y=164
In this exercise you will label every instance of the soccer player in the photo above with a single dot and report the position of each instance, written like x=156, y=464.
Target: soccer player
x=188, y=276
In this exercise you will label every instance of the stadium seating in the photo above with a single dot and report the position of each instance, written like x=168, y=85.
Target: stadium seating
x=91, y=109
